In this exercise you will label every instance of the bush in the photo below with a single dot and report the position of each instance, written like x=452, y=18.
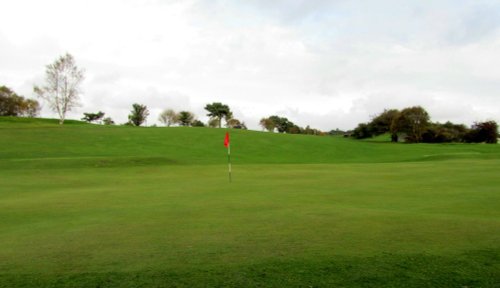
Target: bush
x=483, y=132
x=362, y=131
x=198, y=123
x=444, y=133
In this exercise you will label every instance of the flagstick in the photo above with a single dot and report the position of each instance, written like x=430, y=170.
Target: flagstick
x=229, y=161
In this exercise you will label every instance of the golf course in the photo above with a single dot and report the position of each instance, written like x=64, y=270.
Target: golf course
x=84, y=205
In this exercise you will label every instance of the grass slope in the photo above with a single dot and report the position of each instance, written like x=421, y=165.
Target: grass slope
x=94, y=206
x=102, y=145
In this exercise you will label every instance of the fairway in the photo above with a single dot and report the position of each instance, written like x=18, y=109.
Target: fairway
x=93, y=206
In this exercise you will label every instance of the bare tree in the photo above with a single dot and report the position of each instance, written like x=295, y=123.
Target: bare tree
x=61, y=91
x=168, y=117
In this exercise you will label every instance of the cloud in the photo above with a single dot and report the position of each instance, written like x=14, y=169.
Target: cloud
x=328, y=64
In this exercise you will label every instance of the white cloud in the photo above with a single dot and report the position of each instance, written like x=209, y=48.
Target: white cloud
x=327, y=64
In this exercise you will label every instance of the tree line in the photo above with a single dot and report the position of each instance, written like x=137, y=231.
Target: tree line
x=413, y=125
x=283, y=125
x=216, y=111
x=61, y=91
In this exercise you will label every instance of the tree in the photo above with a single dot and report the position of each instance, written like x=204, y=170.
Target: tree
x=294, y=129
x=186, y=118
x=281, y=123
x=483, y=132
x=108, y=121
x=413, y=121
x=362, y=131
x=235, y=124
x=138, y=114
x=443, y=133
x=336, y=132
x=197, y=123
x=12, y=104
x=311, y=131
x=242, y=126
x=267, y=124
x=62, y=89
x=213, y=122
x=381, y=123
x=168, y=117
x=92, y=117
x=219, y=111
x=31, y=108
x=232, y=123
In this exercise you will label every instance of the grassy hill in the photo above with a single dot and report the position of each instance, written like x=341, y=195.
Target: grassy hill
x=31, y=141
x=109, y=206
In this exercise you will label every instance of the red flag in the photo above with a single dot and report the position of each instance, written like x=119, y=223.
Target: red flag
x=226, y=140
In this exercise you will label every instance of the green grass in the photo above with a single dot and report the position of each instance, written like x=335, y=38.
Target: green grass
x=98, y=145
x=94, y=206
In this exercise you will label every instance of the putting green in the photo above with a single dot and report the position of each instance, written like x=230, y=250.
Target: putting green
x=82, y=206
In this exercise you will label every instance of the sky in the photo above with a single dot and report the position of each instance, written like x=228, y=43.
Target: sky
x=324, y=63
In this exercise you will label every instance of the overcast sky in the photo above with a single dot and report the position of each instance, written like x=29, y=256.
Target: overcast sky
x=328, y=64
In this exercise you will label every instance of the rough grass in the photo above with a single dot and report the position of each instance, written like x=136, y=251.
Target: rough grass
x=93, y=206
